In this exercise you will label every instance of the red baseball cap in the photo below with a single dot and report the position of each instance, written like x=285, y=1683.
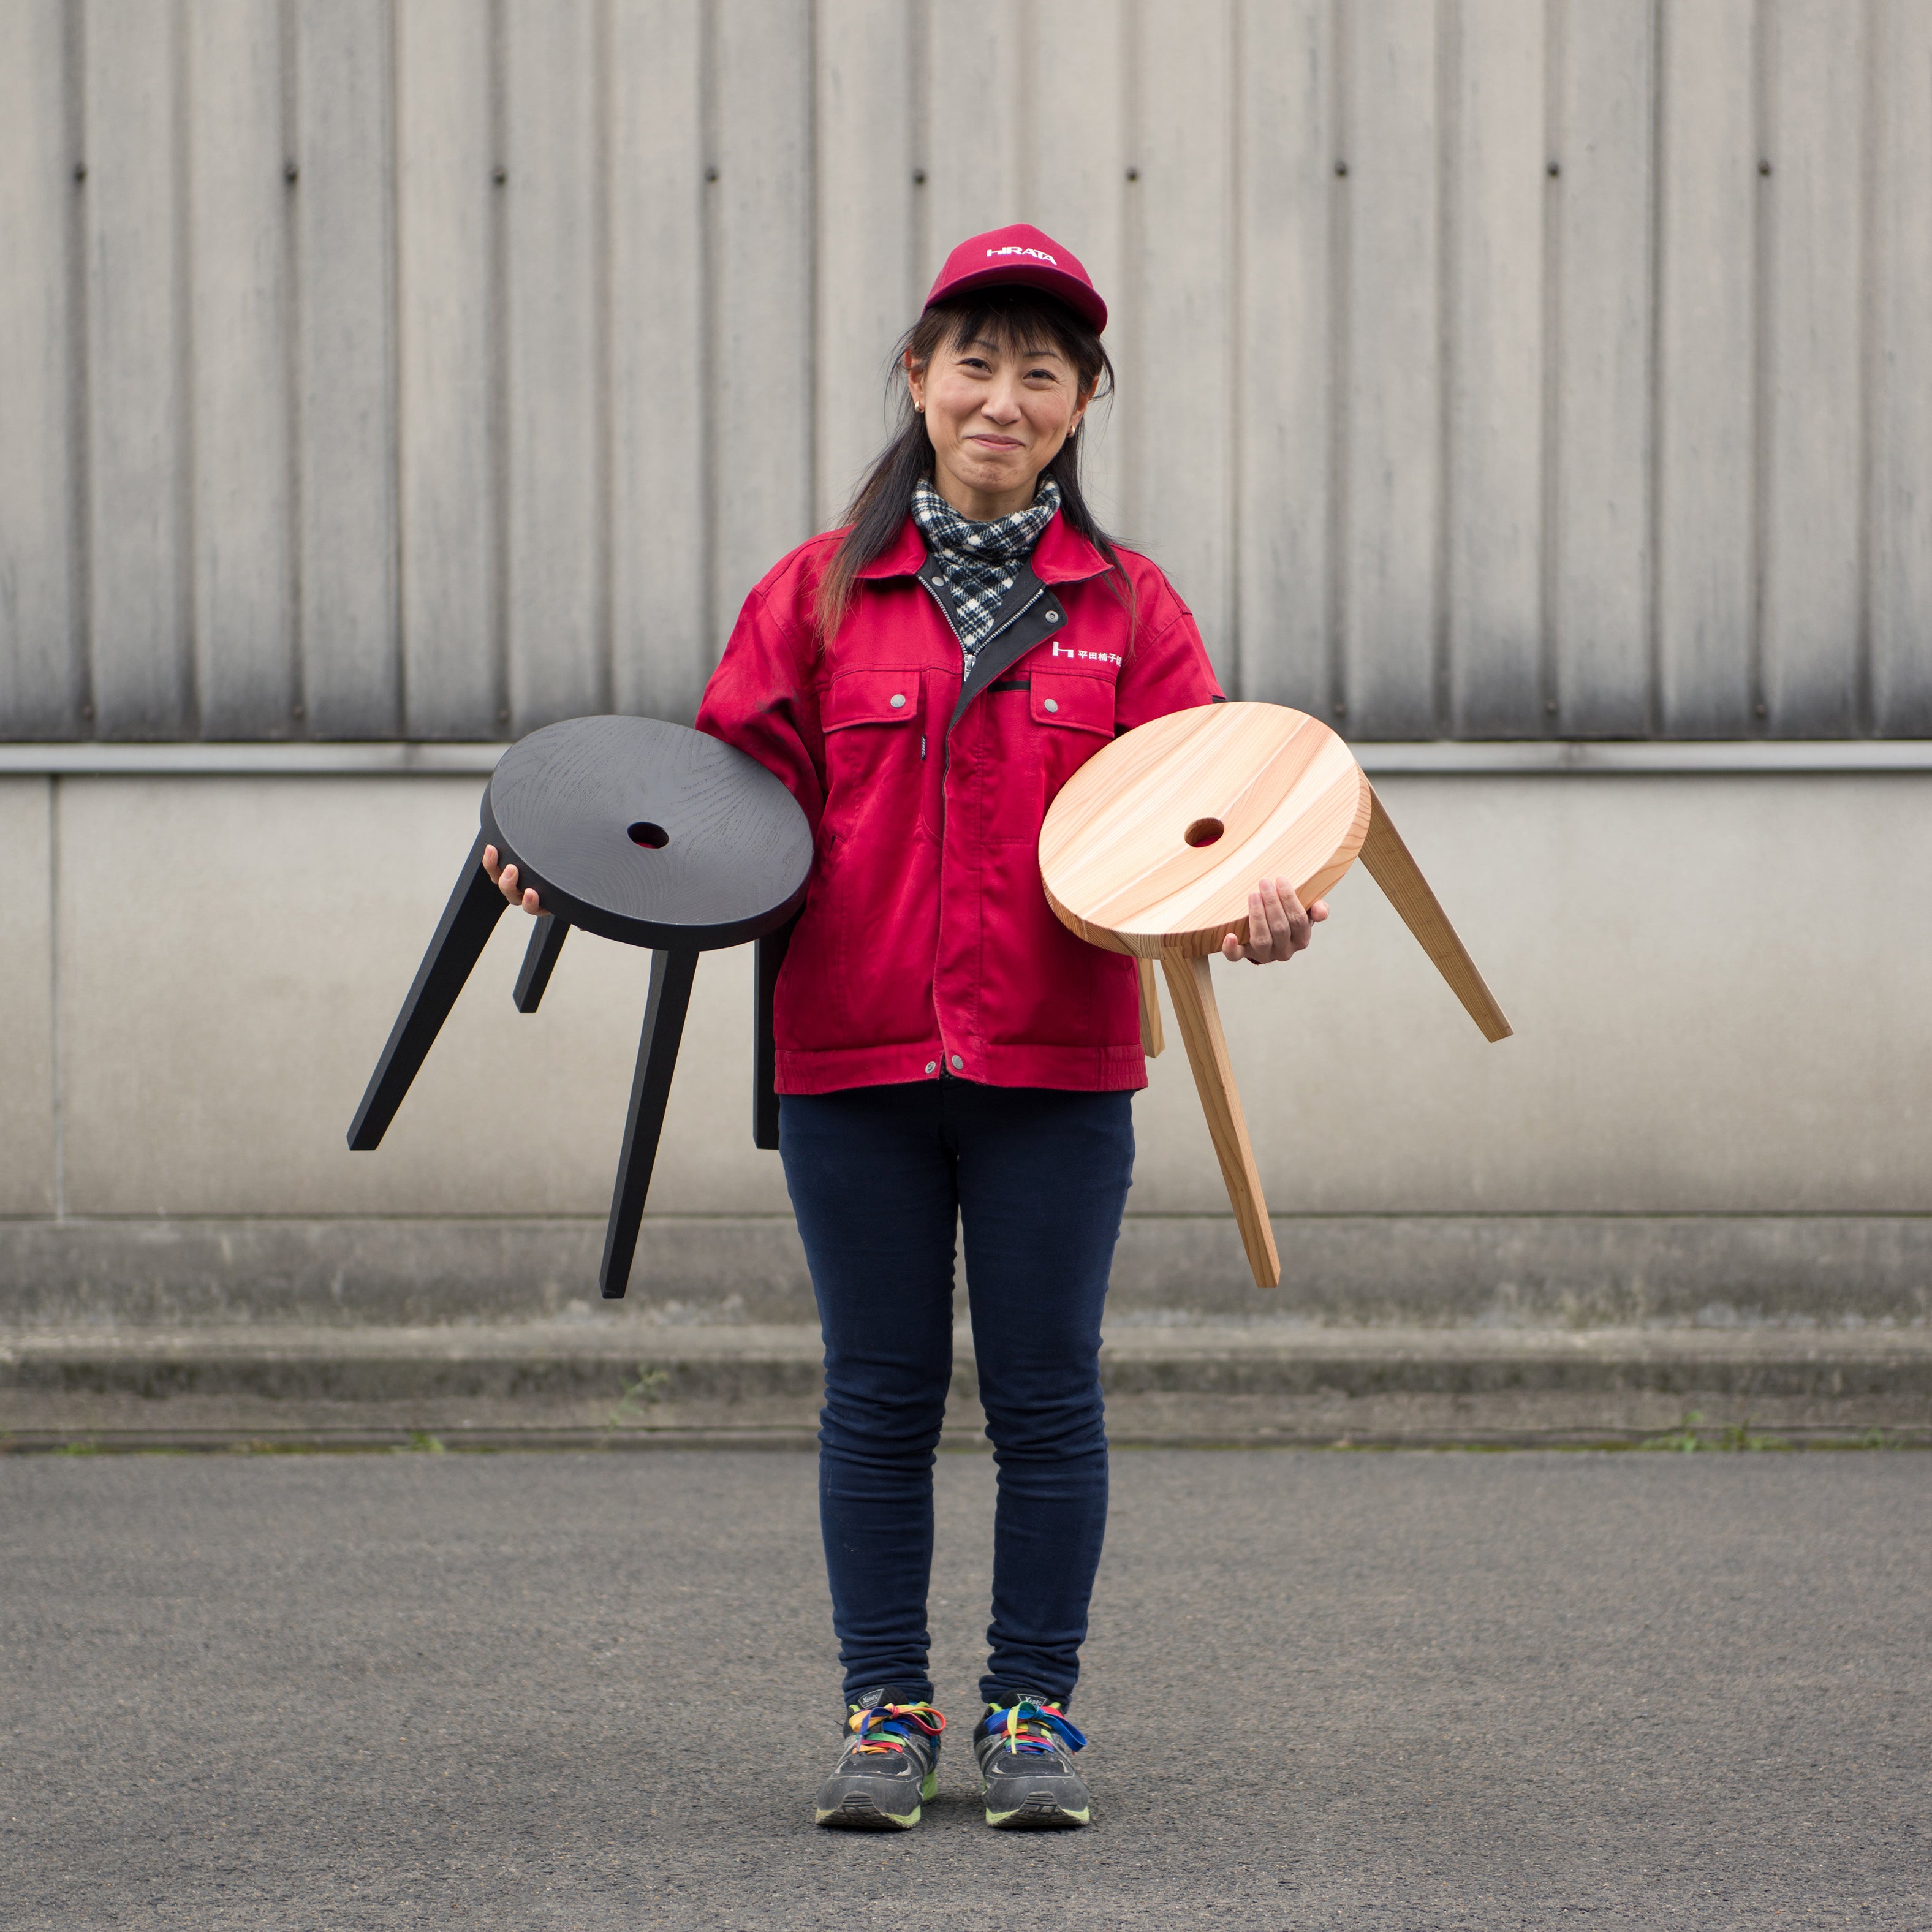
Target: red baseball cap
x=1024, y=255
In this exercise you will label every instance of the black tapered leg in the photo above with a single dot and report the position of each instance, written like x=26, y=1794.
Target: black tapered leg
x=464, y=930
x=671, y=976
x=540, y=960
x=771, y=952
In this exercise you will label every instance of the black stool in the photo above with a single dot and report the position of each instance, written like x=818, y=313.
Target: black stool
x=641, y=831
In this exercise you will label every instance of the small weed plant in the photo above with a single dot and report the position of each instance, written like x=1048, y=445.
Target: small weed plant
x=1733, y=1437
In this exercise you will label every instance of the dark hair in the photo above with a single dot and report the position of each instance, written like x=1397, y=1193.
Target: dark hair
x=1017, y=318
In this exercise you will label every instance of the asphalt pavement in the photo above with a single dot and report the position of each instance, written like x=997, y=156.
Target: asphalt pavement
x=1348, y=1689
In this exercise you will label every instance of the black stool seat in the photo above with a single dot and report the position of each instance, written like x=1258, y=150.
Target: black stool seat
x=649, y=833
x=642, y=832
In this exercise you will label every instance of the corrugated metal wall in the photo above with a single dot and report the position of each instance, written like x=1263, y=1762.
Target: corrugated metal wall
x=1489, y=368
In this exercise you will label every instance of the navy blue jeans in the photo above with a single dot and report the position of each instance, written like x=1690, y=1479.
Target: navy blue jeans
x=880, y=1177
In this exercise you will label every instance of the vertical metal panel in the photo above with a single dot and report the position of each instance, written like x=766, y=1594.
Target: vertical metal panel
x=40, y=685
x=1498, y=187
x=1075, y=157
x=1599, y=571
x=1814, y=431
x=975, y=85
x=1182, y=297
x=1427, y=445
x=1706, y=348
x=863, y=127
x=1901, y=404
x=1392, y=471
x=1284, y=84
x=142, y=677
x=238, y=282
x=663, y=645
x=351, y=654
x=444, y=303
x=761, y=241
x=553, y=564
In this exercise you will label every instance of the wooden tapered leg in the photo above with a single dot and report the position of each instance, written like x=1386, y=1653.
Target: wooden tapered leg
x=540, y=960
x=671, y=976
x=1152, y=1039
x=461, y=933
x=1199, y=1020
x=1392, y=869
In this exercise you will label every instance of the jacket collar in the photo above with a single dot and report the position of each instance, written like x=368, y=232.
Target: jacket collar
x=1061, y=556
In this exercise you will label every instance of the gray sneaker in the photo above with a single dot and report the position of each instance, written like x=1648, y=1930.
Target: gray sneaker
x=889, y=1767
x=1026, y=1751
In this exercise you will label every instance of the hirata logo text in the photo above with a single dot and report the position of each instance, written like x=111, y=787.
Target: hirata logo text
x=1092, y=657
x=1038, y=254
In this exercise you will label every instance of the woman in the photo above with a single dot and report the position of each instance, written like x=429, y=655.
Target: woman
x=925, y=679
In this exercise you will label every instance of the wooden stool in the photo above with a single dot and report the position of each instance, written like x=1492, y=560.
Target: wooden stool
x=641, y=831
x=1152, y=846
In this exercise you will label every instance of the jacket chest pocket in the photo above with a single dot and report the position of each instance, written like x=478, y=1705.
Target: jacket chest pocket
x=1068, y=717
x=1073, y=702
x=874, y=723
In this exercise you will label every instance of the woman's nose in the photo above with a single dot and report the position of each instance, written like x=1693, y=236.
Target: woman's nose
x=1003, y=405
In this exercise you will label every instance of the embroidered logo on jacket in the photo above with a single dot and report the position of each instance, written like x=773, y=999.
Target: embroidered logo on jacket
x=1093, y=657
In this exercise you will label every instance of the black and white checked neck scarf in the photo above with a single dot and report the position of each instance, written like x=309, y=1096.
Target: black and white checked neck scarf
x=980, y=562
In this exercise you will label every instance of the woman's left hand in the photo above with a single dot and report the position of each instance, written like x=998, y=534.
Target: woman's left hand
x=1279, y=926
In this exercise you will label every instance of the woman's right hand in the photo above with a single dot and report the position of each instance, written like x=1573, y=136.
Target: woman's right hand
x=506, y=877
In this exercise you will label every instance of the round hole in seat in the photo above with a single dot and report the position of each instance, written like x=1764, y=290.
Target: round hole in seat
x=1203, y=831
x=645, y=833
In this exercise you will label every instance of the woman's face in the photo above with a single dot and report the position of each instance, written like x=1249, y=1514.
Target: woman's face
x=997, y=416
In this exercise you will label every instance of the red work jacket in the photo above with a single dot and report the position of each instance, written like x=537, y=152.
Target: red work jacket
x=926, y=946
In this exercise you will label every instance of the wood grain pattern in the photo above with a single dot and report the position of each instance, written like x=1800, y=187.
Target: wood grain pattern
x=1154, y=1040
x=1115, y=857
x=1192, y=990
x=1398, y=874
x=1123, y=864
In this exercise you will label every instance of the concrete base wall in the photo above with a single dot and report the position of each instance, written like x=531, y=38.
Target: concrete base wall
x=1410, y=1270
x=1719, y=1093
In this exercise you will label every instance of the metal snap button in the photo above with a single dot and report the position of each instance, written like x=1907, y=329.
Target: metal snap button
x=1053, y=704
x=1053, y=616
x=957, y=1063
x=932, y=1066
x=898, y=700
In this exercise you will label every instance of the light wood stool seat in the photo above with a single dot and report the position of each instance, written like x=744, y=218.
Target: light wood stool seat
x=1152, y=846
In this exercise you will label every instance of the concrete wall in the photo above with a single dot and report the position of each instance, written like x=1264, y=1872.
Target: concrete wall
x=1723, y=1051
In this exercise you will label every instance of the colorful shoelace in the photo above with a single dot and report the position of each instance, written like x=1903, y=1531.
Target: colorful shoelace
x=886, y=1727
x=1033, y=1729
